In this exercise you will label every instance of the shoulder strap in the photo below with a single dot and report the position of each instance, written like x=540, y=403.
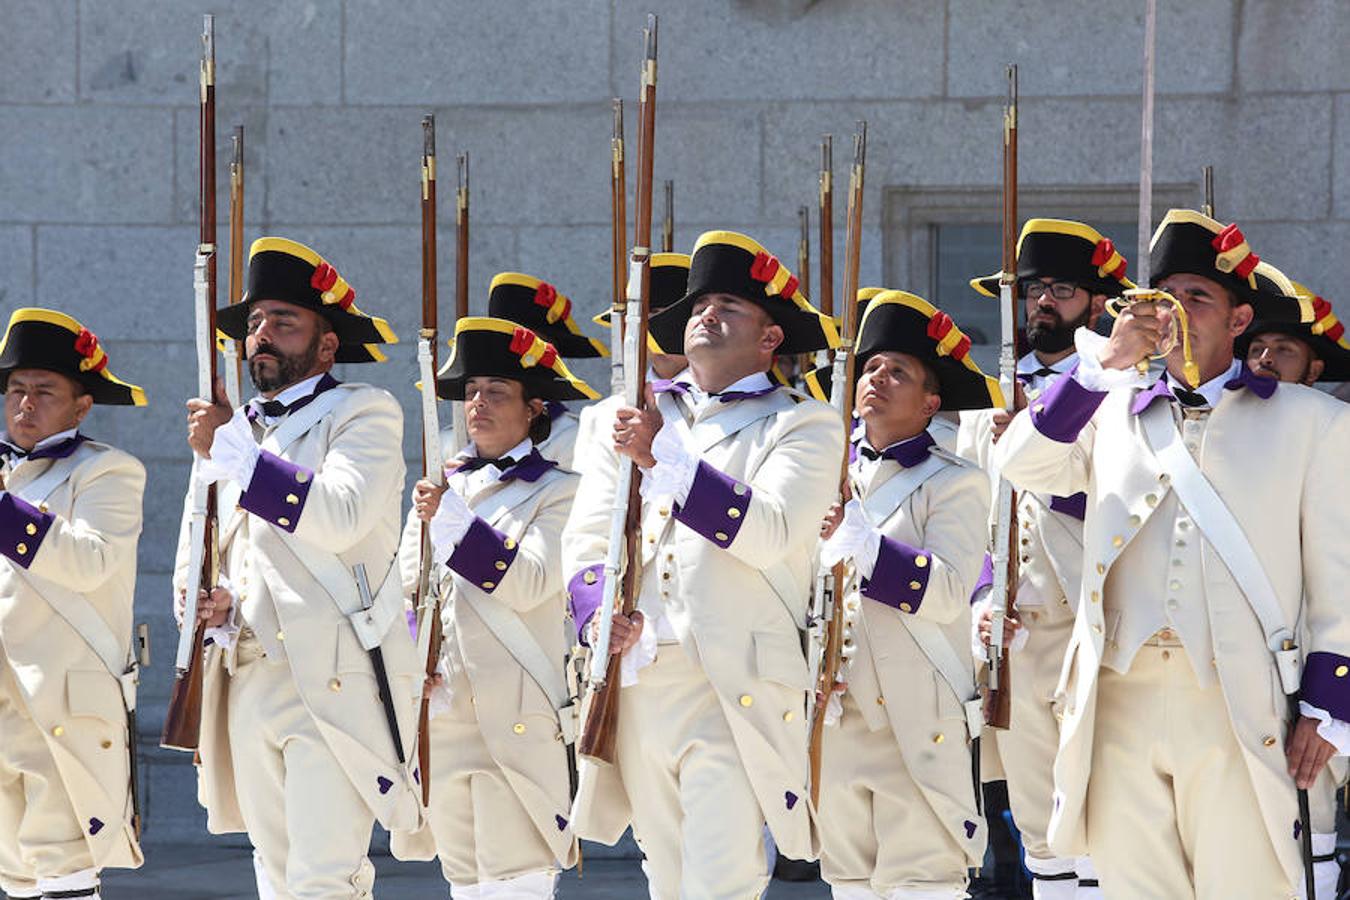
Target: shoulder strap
x=886, y=499
x=932, y=640
x=57, y=474
x=1221, y=529
x=512, y=495
x=520, y=643
x=705, y=434
x=305, y=418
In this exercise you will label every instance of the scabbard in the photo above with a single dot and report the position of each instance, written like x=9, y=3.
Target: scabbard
x=387, y=700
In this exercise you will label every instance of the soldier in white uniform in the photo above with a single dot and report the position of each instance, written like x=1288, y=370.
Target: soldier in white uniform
x=503, y=721
x=540, y=307
x=711, y=731
x=305, y=742
x=70, y=518
x=899, y=813
x=1205, y=562
x=1066, y=271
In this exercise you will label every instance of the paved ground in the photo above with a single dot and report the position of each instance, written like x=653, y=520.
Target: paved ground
x=195, y=872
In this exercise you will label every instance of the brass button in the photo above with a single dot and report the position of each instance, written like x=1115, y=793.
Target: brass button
x=1166, y=635
x=665, y=576
x=1026, y=541
x=292, y=499
x=58, y=731
x=1167, y=654
x=21, y=549
x=1038, y=408
x=1096, y=597
x=1268, y=740
x=283, y=521
x=1025, y=558
x=788, y=716
x=915, y=585
x=651, y=538
x=501, y=565
x=518, y=728
x=1174, y=585
x=589, y=577
x=335, y=685
x=663, y=511
x=31, y=528
x=1134, y=521
x=1097, y=627
x=1341, y=671
x=105, y=744
x=939, y=738
x=747, y=700
x=721, y=536
x=1101, y=568
x=1117, y=541
x=881, y=701
x=1164, y=478
x=509, y=544
x=905, y=607
x=920, y=562
x=733, y=513
x=489, y=585
x=670, y=557
x=739, y=489
x=1151, y=499
x=302, y=477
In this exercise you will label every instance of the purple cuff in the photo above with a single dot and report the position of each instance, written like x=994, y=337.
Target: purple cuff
x=1065, y=407
x=483, y=556
x=716, y=505
x=22, y=528
x=1326, y=683
x=899, y=577
x=585, y=593
x=986, y=579
x=278, y=491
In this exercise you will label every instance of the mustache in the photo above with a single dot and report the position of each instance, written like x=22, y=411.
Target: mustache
x=269, y=350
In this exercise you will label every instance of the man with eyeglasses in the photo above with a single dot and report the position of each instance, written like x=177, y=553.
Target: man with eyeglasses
x=1066, y=271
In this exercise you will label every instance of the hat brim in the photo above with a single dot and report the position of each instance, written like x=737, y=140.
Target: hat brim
x=482, y=348
x=44, y=339
x=805, y=330
x=1335, y=358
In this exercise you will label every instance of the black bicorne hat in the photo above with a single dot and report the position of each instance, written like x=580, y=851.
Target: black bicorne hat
x=485, y=346
x=55, y=342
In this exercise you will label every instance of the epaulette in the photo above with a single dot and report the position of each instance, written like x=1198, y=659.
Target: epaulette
x=951, y=457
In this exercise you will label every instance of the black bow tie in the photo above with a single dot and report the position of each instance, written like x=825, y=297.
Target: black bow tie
x=1189, y=398
x=275, y=409
x=474, y=463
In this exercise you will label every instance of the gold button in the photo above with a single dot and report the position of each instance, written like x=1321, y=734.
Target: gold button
x=1174, y=585
x=1134, y=521
x=663, y=511
x=21, y=549
x=1026, y=559
x=31, y=528
x=651, y=538
x=1268, y=740
x=1167, y=654
x=518, y=728
x=1166, y=635
x=905, y=607
x=501, y=565
x=589, y=577
x=1038, y=408
x=1101, y=568
x=747, y=700
x=920, y=562
x=1097, y=627
x=1096, y=597
x=283, y=521
x=1341, y=671
x=1164, y=478
x=302, y=477
x=733, y=513
x=105, y=744
x=58, y=731
x=721, y=535
x=509, y=544
x=1026, y=541
x=292, y=499
x=939, y=738
x=881, y=701
x=915, y=585
x=281, y=635
x=1151, y=499
x=665, y=576
x=788, y=716
x=739, y=490
x=335, y=685
x=42, y=507
x=670, y=557
x=489, y=585
x=1117, y=541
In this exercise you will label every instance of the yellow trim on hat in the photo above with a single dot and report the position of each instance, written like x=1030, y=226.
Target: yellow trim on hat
x=813, y=386
x=670, y=259
x=1059, y=226
x=288, y=246
x=554, y=314
x=744, y=242
x=73, y=325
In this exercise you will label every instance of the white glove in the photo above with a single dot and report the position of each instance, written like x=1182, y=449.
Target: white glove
x=234, y=453
x=1092, y=375
x=673, y=474
x=834, y=709
x=450, y=523
x=854, y=539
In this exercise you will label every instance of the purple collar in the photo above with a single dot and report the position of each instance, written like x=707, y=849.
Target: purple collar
x=554, y=409
x=669, y=386
x=60, y=450
x=908, y=453
x=1261, y=387
x=529, y=468
x=276, y=409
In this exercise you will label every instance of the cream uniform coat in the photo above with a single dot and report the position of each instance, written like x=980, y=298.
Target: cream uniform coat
x=1279, y=465
x=891, y=678
x=518, y=722
x=88, y=550
x=327, y=500
x=743, y=588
